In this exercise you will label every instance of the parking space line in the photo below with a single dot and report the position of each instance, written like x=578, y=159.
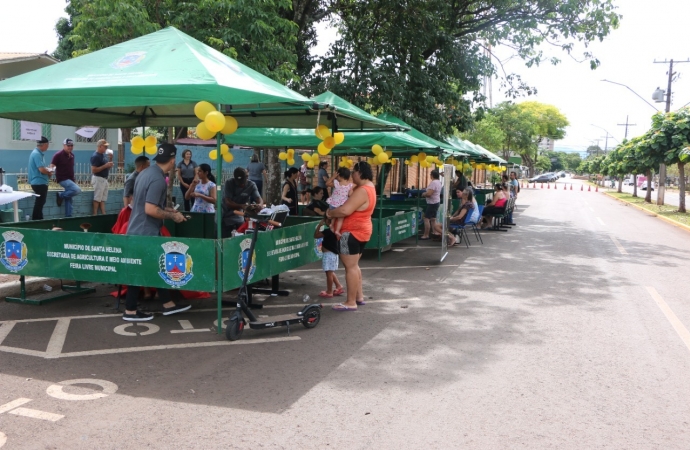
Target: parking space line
x=675, y=322
x=619, y=246
x=22, y=351
x=57, y=340
x=601, y=221
x=175, y=346
x=5, y=330
x=36, y=414
x=14, y=404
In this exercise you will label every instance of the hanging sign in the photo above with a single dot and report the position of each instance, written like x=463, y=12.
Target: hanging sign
x=87, y=132
x=30, y=131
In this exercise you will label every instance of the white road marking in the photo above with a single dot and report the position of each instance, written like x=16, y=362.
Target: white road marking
x=601, y=221
x=22, y=351
x=591, y=209
x=55, y=390
x=36, y=414
x=383, y=268
x=57, y=339
x=174, y=346
x=3, y=439
x=619, y=246
x=150, y=329
x=5, y=330
x=677, y=324
x=13, y=404
x=187, y=327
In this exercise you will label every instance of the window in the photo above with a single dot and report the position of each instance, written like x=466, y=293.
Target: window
x=100, y=134
x=17, y=131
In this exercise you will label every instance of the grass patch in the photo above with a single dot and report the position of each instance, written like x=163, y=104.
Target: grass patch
x=668, y=211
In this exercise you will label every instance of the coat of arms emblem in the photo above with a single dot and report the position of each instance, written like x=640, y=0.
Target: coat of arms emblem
x=175, y=264
x=13, y=251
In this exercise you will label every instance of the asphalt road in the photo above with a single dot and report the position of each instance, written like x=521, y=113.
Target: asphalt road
x=569, y=331
x=671, y=197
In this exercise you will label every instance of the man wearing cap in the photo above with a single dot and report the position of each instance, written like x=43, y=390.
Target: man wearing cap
x=148, y=213
x=39, y=175
x=141, y=163
x=64, y=175
x=100, y=168
x=239, y=192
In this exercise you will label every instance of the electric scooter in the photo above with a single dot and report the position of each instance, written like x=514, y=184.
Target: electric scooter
x=309, y=316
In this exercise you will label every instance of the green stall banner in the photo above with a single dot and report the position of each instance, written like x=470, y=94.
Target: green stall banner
x=391, y=229
x=276, y=252
x=174, y=263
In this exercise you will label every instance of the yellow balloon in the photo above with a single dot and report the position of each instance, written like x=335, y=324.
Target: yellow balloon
x=322, y=132
x=407, y=163
x=322, y=149
x=394, y=162
x=310, y=164
x=150, y=141
x=282, y=156
x=389, y=153
x=204, y=133
x=291, y=162
x=315, y=158
x=138, y=141
x=458, y=167
x=137, y=150
x=290, y=151
x=230, y=125
x=151, y=150
x=466, y=166
x=430, y=159
x=329, y=142
x=382, y=157
x=224, y=149
x=213, y=154
x=201, y=109
x=414, y=159
x=215, y=121
x=339, y=137
x=306, y=157
x=504, y=168
x=227, y=157
x=376, y=149
x=421, y=156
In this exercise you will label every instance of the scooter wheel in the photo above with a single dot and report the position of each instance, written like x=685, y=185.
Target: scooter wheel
x=312, y=317
x=235, y=327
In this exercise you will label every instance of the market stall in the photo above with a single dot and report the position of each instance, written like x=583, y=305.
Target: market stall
x=156, y=80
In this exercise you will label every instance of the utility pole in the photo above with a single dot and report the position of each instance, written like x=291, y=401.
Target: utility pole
x=626, y=125
x=662, y=166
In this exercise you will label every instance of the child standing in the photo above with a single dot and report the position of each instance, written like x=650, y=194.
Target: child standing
x=329, y=261
x=342, y=189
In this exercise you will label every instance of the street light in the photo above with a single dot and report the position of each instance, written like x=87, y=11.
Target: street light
x=643, y=99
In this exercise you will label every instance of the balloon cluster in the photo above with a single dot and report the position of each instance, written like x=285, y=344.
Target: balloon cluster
x=224, y=152
x=380, y=156
x=346, y=162
x=424, y=160
x=312, y=160
x=329, y=139
x=288, y=156
x=139, y=144
x=214, y=122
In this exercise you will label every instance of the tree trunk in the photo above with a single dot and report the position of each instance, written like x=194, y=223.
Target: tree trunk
x=648, y=196
x=620, y=184
x=681, y=187
x=661, y=188
x=275, y=176
x=634, y=185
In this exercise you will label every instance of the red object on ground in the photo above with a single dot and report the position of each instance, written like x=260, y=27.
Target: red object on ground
x=548, y=185
x=571, y=186
x=582, y=187
x=534, y=186
x=564, y=187
x=542, y=185
x=597, y=189
x=589, y=188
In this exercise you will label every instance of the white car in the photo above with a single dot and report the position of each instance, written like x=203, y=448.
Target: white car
x=643, y=187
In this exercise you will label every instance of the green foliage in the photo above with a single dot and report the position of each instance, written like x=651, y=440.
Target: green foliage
x=487, y=133
x=543, y=163
x=253, y=32
x=571, y=161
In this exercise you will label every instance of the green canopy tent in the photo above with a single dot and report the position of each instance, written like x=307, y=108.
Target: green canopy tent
x=155, y=80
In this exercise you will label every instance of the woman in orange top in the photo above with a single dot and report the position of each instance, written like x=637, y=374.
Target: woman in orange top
x=356, y=232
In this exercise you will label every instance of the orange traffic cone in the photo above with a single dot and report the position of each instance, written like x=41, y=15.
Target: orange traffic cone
x=589, y=188
x=564, y=186
x=548, y=185
x=534, y=186
x=542, y=185
x=597, y=189
x=571, y=187
x=582, y=187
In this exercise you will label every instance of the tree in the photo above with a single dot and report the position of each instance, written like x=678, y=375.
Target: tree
x=543, y=163
x=64, y=29
x=419, y=61
x=669, y=136
x=486, y=133
x=571, y=161
x=594, y=150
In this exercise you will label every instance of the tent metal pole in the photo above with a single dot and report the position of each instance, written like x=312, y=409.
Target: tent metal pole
x=219, y=235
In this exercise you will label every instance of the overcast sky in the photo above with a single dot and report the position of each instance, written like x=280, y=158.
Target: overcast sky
x=649, y=30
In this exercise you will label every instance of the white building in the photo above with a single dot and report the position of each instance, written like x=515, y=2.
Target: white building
x=546, y=144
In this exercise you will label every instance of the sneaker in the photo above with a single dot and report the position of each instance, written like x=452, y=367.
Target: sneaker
x=58, y=199
x=138, y=317
x=175, y=309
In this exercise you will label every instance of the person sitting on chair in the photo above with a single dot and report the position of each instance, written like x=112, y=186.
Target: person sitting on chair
x=495, y=206
x=317, y=207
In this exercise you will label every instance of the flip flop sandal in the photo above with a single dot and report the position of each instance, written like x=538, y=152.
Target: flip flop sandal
x=325, y=294
x=339, y=292
x=341, y=307
x=361, y=302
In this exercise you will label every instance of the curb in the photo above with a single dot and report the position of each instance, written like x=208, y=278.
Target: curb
x=13, y=288
x=665, y=219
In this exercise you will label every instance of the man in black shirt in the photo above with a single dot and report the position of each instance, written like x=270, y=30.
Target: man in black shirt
x=239, y=192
